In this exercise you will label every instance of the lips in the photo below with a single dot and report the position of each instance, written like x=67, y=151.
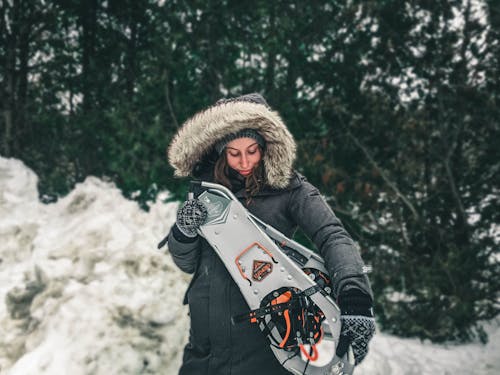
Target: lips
x=245, y=173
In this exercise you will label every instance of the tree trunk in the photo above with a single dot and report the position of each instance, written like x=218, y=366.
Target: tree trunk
x=88, y=19
x=22, y=86
x=9, y=82
x=271, y=60
x=131, y=52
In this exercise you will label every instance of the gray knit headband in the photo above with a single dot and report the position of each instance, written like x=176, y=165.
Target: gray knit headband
x=245, y=133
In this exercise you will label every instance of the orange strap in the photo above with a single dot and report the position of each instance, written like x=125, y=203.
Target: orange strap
x=312, y=357
x=285, y=297
x=288, y=328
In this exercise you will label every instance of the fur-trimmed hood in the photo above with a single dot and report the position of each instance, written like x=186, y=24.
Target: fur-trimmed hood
x=196, y=138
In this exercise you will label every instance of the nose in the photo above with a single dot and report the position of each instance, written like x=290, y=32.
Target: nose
x=244, y=162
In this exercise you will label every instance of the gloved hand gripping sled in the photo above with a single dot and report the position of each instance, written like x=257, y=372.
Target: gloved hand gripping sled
x=285, y=284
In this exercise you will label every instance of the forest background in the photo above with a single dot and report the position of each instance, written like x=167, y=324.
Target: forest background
x=394, y=106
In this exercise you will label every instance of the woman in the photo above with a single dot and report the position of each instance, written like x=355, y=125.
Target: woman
x=244, y=145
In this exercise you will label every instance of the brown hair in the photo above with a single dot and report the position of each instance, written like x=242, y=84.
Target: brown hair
x=253, y=182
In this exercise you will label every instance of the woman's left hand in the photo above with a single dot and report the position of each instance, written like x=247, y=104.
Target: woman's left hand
x=358, y=324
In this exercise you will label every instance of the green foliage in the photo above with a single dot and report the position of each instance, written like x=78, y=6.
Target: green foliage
x=394, y=106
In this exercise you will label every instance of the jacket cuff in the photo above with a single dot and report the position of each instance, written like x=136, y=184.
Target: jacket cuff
x=181, y=237
x=350, y=277
x=355, y=302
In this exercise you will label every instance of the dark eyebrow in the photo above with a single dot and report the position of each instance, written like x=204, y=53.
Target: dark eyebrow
x=247, y=147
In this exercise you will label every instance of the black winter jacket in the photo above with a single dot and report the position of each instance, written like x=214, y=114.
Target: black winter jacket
x=217, y=347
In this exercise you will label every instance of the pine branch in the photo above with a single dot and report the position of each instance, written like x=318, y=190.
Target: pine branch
x=167, y=98
x=384, y=176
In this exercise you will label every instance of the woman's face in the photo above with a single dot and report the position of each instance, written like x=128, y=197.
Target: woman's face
x=243, y=155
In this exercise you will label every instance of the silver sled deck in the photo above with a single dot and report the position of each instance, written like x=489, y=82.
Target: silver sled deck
x=285, y=285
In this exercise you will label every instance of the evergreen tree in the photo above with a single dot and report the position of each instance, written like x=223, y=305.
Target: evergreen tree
x=394, y=106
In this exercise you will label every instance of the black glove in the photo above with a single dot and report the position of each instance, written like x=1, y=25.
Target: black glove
x=190, y=216
x=358, y=323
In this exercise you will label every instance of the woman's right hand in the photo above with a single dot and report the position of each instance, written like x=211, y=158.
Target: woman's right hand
x=190, y=216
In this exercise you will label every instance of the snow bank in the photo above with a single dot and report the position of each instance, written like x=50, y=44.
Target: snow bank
x=83, y=290
x=390, y=355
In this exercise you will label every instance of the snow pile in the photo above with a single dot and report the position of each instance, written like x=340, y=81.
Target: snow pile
x=83, y=290
x=390, y=355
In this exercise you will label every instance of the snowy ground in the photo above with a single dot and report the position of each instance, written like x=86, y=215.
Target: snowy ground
x=83, y=290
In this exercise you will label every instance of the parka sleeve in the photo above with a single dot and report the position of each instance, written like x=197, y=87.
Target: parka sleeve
x=185, y=251
x=314, y=216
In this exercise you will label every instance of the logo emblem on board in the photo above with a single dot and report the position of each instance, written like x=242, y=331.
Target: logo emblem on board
x=261, y=269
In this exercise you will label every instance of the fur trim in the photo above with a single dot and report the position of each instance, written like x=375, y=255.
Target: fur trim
x=198, y=135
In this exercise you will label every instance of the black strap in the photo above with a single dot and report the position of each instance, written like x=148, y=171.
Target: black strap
x=163, y=242
x=263, y=311
x=280, y=307
x=310, y=291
